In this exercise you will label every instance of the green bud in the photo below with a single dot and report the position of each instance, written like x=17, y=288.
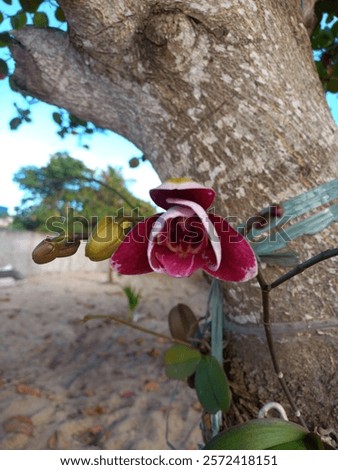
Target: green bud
x=105, y=238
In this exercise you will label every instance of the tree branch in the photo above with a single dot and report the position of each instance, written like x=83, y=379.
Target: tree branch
x=49, y=68
x=104, y=25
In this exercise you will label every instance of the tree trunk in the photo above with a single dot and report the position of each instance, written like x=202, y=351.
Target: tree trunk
x=225, y=92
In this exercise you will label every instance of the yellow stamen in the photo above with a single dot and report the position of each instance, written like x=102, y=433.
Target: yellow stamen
x=179, y=180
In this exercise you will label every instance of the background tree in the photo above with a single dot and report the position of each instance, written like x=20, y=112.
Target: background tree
x=226, y=92
x=65, y=183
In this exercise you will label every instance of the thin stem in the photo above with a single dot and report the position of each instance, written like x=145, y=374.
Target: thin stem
x=266, y=288
x=136, y=327
x=303, y=266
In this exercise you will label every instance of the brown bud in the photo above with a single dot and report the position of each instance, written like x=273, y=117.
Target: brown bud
x=44, y=252
x=66, y=248
x=50, y=249
x=276, y=210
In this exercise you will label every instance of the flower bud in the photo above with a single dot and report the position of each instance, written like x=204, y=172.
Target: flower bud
x=66, y=248
x=44, y=252
x=105, y=238
x=50, y=249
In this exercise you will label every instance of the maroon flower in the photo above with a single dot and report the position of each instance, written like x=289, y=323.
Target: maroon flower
x=185, y=238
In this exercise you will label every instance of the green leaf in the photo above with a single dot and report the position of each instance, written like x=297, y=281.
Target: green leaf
x=293, y=445
x=5, y=39
x=15, y=123
x=12, y=84
x=30, y=6
x=40, y=20
x=261, y=434
x=59, y=15
x=57, y=118
x=1, y=17
x=334, y=29
x=310, y=442
x=9, y=2
x=212, y=385
x=324, y=39
x=323, y=6
x=19, y=20
x=3, y=69
x=75, y=121
x=181, y=361
x=62, y=132
x=321, y=69
x=332, y=85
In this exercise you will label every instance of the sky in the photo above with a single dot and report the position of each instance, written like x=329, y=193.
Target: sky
x=32, y=144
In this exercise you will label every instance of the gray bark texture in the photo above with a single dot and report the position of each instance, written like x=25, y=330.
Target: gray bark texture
x=225, y=92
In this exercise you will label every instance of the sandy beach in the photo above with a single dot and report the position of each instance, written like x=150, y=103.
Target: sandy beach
x=66, y=384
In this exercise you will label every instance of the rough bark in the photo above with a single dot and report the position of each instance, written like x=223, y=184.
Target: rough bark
x=227, y=93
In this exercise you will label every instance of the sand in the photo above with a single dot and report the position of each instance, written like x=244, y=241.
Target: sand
x=66, y=384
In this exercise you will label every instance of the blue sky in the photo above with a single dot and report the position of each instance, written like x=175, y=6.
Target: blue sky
x=32, y=144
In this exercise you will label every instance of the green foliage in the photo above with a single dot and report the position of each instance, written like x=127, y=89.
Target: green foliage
x=133, y=299
x=181, y=361
x=32, y=217
x=15, y=123
x=69, y=124
x=59, y=15
x=265, y=434
x=212, y=385
x=4, y=39
x=30, y=6
x=3, y=68
x=40, y=20
x=19, y=20
x=66, y=183
x=23, y=115
x=325, y=44
x=210, y=381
